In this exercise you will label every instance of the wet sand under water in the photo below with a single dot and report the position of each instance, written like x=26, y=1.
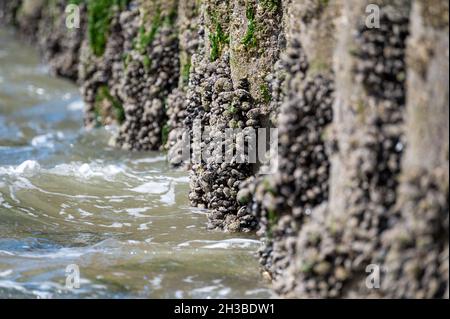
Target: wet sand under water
x=123, y=218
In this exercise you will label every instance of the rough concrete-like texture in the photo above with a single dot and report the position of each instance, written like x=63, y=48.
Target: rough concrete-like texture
x=28, y=16
x=188, y=25
x=212, y=93
x=151, y=74
x=228, y=90
x=100, y=74
x=284, y=202
x=335, y=249
x=44, y=23
x=129, y=83
x=60, y=46
x=8, y=12
x=374, y=214
x=416, y=247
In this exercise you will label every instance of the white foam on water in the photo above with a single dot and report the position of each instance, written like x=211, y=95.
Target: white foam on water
x=169, y=197
x=136, y=212
x=116, y=200
x=43, y=141
x=233, y=243
x=63, y=253
x=6, y=253
x=76, y=106
x=36, y=90
x=156, y=282
x=2, y=200
x=149, y=160
x=23, y=183
x=6, y=273
x=27, y=167
x=224, y=291
x=152, y=188
x=114, y=225
x=222, y=244
x=7, y=284
x=10, y=285
x=87, y=171
x=47, y=140
x=20, y=183
x=46, y=290
x=256, y=291
x=179, y=294
x=184, y=179
x=84, y=213
x=67, y=96
x=42, y=294
x=6, y=205
x=31, y=186
x=103, y=207
x=203, y=290
x=144, y=226
x=189, y=279
x=118, y=197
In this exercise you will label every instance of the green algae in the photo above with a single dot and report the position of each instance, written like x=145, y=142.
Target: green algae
x=249, y=40
x=186, y=71
x=218, y=41
x=165, y=134
x=103, y=94
x=271, y=5
x=265, y=93
x=145, y=38
x=100, y=14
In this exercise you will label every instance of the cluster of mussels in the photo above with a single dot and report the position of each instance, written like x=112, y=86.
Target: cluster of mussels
x=334, y=250
x=214, y=180
x=301, y=183
x=100, y=76
x=8, y=12
x=149, y=78
x=335, y=204
x=60, y=45
x=416, y=248
x=190, y=36
x=223, y=96
x=45, y=25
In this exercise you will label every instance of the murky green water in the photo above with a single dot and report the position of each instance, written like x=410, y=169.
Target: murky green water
x=124, y=219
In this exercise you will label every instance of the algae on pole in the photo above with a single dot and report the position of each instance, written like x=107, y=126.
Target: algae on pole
x=145, y=38
x=100, y=13
x=103, y=94
x=249, y=40
x=218, y=41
